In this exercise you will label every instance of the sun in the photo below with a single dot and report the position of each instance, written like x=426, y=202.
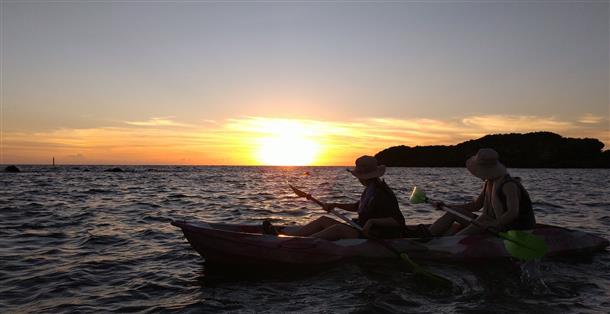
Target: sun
x=285, y=151
x=288, y=143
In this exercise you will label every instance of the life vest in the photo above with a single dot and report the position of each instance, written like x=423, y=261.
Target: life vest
x=525, y=220
x=378, y=201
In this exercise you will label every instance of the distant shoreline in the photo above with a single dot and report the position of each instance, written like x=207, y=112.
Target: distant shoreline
x=544, y=150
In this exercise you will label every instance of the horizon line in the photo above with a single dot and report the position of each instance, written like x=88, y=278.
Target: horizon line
x=174, y=165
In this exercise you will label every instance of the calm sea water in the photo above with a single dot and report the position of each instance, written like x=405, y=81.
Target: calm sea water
x=80, y=239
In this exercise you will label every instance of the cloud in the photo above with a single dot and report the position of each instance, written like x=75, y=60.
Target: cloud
x=158, y=122
x=589, y=118
x=514, y=123
x=235, y=141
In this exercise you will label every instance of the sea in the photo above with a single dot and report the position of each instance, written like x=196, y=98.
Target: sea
x=79, y=239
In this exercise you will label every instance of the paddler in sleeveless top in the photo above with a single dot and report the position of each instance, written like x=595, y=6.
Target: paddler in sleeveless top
x=378, y=211
x=505, y=204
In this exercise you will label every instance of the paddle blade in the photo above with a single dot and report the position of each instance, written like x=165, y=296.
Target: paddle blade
x=523, y=245
x=297, y=191
x=418, y=196
x=420, y=271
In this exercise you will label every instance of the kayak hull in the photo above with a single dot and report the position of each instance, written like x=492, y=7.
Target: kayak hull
x=226, y=244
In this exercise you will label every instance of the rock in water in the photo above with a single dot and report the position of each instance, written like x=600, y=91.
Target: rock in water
x=117, y=169
x=12, y=169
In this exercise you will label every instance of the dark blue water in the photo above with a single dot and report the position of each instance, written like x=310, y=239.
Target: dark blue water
x=80, y=239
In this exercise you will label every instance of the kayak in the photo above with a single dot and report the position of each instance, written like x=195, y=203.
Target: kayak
x=234, y=244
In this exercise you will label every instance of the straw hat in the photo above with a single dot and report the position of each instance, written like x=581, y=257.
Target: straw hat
x=485, y=164
x=367, y=168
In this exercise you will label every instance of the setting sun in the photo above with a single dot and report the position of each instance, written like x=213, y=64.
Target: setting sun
x=288, y=144
x=285, y=151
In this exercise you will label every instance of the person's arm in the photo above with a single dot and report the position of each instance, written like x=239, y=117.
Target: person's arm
x=473, y=206
x=483, y=222
x=466, y=208
x=511, y=192
x=350, y=207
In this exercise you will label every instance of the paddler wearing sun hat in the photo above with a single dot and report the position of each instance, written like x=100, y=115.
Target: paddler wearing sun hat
x=378, y=211
x=505, y=203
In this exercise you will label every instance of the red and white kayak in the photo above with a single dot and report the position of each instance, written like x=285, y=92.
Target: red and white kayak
x=228, y=244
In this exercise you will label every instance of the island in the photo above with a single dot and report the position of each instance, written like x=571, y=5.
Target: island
x=530, y=150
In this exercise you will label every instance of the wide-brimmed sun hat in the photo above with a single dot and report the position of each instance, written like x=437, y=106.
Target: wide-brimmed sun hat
x=367, y=168
x=485, y=164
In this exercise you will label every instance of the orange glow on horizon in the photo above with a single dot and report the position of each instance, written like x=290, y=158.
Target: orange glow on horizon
x=266, y=140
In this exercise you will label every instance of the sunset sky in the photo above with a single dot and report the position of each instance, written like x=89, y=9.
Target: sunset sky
x=320, y=83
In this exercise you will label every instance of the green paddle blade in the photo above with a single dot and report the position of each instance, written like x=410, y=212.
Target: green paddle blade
x=523, y=245
x=418, y=196
x=418, y=270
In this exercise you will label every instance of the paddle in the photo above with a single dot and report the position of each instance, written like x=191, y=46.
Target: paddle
x=418, y=270
x=521, y=245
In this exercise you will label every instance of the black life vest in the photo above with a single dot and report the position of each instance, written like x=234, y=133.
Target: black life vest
x=525, y=220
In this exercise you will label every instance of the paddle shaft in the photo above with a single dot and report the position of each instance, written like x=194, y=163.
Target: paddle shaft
x=336, y=213
x=535, y=245
x=488, y=229
x=402, y=255
x=469, y=219
x=359, y=228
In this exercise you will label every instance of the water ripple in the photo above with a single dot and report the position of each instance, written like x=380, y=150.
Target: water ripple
x=78, y=239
